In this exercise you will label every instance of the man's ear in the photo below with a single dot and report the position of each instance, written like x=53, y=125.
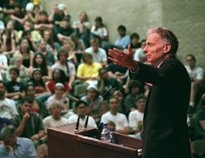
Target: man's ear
x=167, y=48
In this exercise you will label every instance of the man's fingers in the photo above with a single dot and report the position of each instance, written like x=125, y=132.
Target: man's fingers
x=118, y=51
x=113, y=54
x=112, y=59
x=130, y=50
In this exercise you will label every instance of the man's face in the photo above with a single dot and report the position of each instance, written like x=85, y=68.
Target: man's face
x=26, y=107
x=113, y=104
x=121, y=32
x=17, y=9
x=13, y=75
x=141, y=103
x=154, y=49
x=143, y=44
x=58, y=91
x=135, y=40
x=103, y=74
x=135, y=90
x=43, y=45
x=11, y=141
x=12, y=2
x=56, y=111
x=2, y=89
x=62, y=57
x=18, y=62
x=27, y=26
x=43, y=17
x=66, y=24
x=82, y=17
x=91, y=93
x=80, y=108
x=190, y=61
x=31, y=91
x=95, y=47
x=88, y=60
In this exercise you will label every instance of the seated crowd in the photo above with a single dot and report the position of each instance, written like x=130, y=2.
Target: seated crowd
x=44, y=57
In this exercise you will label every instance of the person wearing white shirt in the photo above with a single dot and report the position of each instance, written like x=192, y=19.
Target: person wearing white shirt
x=119, y=119
x=137, y=115
x=79, y=107
x=196, y=75
x=99, y=54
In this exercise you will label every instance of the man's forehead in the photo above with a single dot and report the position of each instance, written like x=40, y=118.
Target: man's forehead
x=153, y=37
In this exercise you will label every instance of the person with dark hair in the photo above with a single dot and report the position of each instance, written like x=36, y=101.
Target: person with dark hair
x=14, y=88
x=8, y=44
x=42, y=91
x=92, y=94
x=82, y=27
x=8, y=9
x=37, y=106
x=135, y=44
x=26, y=53
x=168, y=99
x=7, y=106
x=99, y=30
x=88, y=71
x=79, y=44
x=79, y=107
x=137, y=115
x=119, y=119
x=111, y=124
x=18, y=17
x=34, y=14
x=14, y=146
x=50, y=58
x=58, y=76
x=39, y=61
x=99, y=55
x=65, y=31
x=3, y=123
x=67, y=67
x=43, y=22
x=28, y=124
x=196, y=75
x=200, y=120
x=122, y=41
x=106, y=82
x=14, y=33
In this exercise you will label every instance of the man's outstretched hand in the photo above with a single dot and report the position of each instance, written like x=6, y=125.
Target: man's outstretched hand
x=123, y=59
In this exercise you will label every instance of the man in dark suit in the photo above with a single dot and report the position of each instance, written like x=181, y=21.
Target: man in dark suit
x=165, y=132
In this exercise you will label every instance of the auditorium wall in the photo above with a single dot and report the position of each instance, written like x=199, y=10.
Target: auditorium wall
x=185, y=17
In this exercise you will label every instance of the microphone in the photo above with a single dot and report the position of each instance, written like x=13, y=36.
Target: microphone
x=78, y=120
x=86, y=121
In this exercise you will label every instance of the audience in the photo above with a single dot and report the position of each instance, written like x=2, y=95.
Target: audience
x=134, y=38
x=34, y=14
x=14, y=33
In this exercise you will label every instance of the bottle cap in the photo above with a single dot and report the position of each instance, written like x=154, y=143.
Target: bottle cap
x=111, y=130
x=104, y=125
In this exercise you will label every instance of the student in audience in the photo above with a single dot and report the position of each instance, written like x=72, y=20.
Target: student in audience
x=121, y=102
x=34, y=15
x=42, y=92
x=196, y=75
x=139, y=55
x=14, y=146
x=58, y=76
x=37, y=106
x=59, y=95
x=122, y=41
x=106, y=82
x=82, y=27
x=50, y=58
x=8, y=9
x=92, y=94
x=99, y=30
x=8, y=43
x=14, y=33
x=99, y=55
x=79, y=44
x=3, y=61
x=23, y=72
x=65, y=31
x=119, y=119
x=18, y=17
x=7, y=106
x=39, y=61
x=3, y=123
x=111, y=124
x=137, y=115
x=35, y=36
x=79, y=107
x=14, y=88
x=43, y=23
x=134, y=38
x=67, y=67
x=140, y=126
x=26, y=53
x=28, y=124
x=134, y=87
x=88, y=71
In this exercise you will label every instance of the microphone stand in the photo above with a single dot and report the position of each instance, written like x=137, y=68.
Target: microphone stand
x=86, y=121
x=78, y=120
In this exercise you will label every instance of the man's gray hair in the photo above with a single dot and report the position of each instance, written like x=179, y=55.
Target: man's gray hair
x=9, y=131
x=167, y=36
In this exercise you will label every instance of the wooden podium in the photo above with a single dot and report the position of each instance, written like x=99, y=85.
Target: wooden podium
x=63, y=142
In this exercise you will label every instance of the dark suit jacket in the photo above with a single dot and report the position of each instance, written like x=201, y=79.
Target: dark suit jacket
x=165, y=132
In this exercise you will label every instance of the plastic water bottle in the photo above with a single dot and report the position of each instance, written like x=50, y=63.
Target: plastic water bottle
x=105, y=133
x=112, y=137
